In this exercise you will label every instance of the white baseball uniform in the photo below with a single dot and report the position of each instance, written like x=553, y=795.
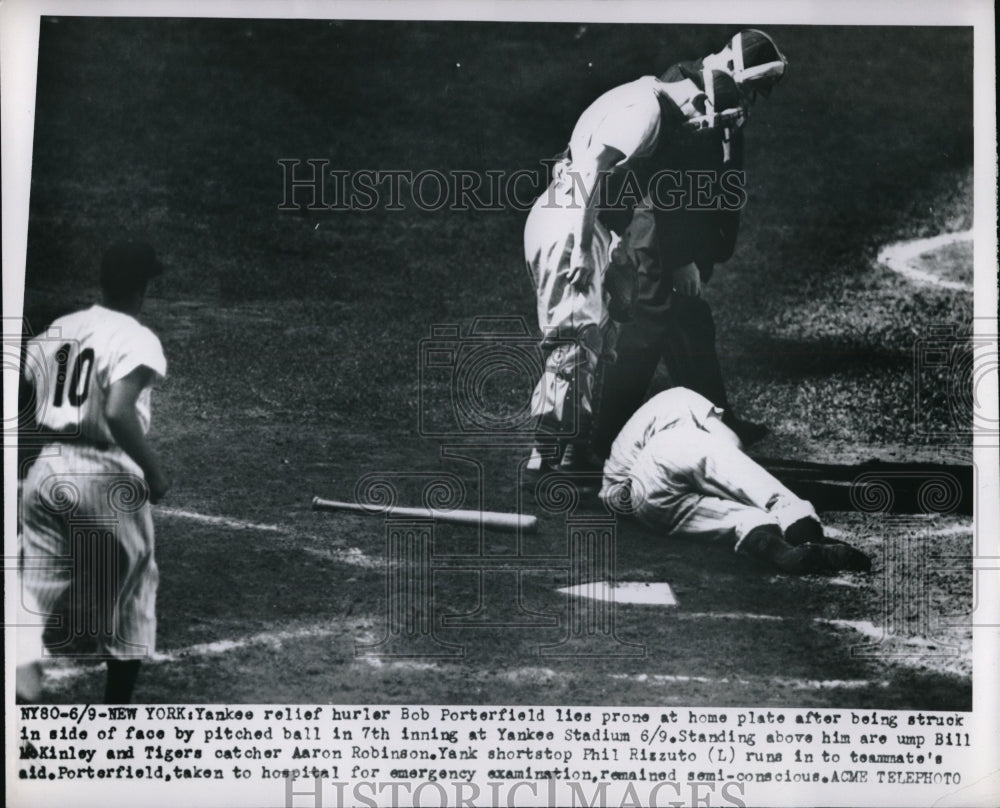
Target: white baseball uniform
x=626, y=118
x=86, y=485
x=685, y=473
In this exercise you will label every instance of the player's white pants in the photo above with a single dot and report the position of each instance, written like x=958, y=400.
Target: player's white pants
x=570, y=320
x=73, y=495
x=698, y=484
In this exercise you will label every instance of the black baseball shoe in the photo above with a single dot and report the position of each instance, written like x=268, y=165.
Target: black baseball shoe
x=809, y=530
x=805, y=530
x=577, y=457
x=766, y=543
x=842, y=556
x=806, y=559
x=817, y=559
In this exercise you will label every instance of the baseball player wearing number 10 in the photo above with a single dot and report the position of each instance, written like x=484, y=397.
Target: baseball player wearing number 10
x=90, y=377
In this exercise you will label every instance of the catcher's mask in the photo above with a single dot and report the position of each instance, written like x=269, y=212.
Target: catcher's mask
x=723, y=103
x=753, y=60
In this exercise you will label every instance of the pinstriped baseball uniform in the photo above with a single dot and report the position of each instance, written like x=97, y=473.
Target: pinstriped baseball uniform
x=688, y=476
x=627, y=118
x=86, y=484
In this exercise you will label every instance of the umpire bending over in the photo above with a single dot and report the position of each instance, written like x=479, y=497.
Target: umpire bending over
x=677, y=246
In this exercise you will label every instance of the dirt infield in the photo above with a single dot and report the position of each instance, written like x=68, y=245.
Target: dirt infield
x=944, y=260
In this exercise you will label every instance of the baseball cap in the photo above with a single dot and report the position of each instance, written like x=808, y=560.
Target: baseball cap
x=128, y=266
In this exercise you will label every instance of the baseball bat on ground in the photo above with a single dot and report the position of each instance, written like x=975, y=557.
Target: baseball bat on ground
x=493, y=520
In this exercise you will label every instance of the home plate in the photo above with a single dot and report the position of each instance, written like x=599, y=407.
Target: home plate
x=640, y=592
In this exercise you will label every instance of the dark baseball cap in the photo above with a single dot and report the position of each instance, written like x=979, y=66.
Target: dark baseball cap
x=128, y=266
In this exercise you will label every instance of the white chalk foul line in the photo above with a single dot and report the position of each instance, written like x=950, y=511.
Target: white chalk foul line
x=868, y=629
x=899, y=258
x=728, y=616
x=780, y=681
x=351, y=556
x=928, y=530
x=530, y=675
x=223, y=521
x=62, y=672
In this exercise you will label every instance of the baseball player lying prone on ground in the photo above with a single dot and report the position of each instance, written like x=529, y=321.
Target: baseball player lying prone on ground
x=91, y=374
x=684, y=473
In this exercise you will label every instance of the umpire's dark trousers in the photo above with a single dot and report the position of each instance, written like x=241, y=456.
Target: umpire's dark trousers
x=667, y=325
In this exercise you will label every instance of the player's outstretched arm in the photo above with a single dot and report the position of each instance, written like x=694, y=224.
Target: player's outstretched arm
x=123, y=421
x=581, y=271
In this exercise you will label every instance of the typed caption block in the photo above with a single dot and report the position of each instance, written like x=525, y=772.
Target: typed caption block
x=324, y=755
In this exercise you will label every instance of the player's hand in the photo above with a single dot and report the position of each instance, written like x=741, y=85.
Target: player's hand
x=620, y=280
x=159, y=485
x=581, y=272
x=687, y=280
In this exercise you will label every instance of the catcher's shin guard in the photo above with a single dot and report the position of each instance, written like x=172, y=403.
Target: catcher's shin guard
x=562, y=401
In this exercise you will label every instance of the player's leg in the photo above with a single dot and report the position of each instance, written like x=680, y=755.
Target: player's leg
x=132, y=635
x=689, y=349
x=44, y=566
x=542, y=253
x=624, y=382
x=714, y=464
x=562, y=402
x=29, y=628
x=570, y=324
x=689, y=352
x=750, y=531
x=573, y=376
x=664, y=500
x=673, y=484
x=28, y=682
x=725, y=471
x=698, y=484
x=733, y=474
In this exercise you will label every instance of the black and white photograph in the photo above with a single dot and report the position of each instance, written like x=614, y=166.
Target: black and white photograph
x=596, y=372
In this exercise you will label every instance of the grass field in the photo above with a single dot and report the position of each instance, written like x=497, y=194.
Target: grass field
x=294, y=345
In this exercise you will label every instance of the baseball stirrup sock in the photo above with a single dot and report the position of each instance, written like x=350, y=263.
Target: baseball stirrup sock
x=122, y=675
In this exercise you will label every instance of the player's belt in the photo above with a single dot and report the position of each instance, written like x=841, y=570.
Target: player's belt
x=80, y=440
